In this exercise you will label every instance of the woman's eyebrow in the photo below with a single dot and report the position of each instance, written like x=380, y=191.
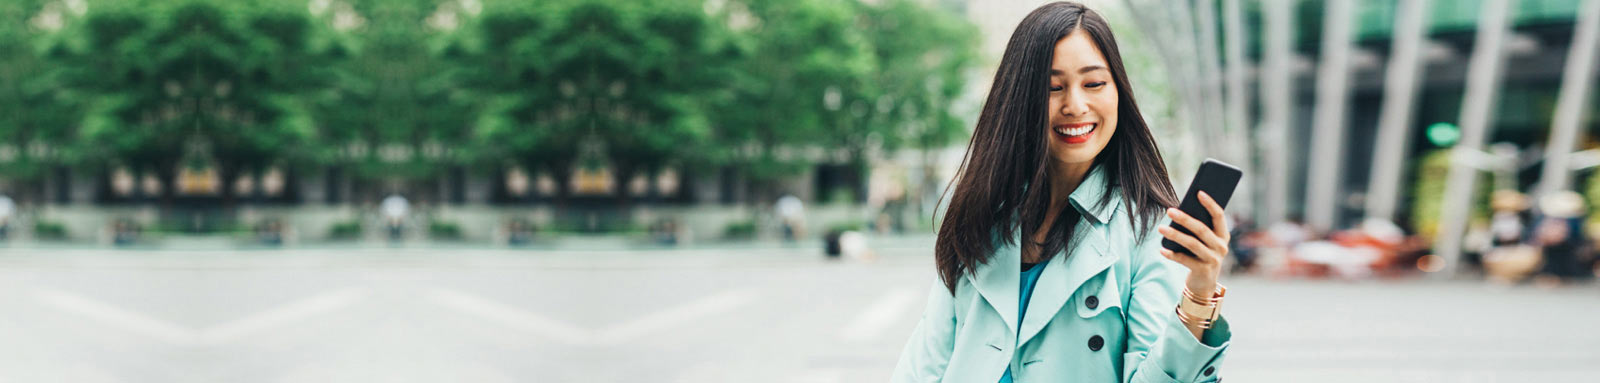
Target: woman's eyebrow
x=1085, y=69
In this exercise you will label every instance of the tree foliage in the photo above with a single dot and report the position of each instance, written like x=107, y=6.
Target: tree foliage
x=403, y=92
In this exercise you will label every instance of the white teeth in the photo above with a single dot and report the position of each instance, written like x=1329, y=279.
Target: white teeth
x=1079, y=131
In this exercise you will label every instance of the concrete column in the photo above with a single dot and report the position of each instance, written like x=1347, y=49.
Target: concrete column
x=1327, y=125
x=1277, y=103
x=1399, y=105
x=1577, y=79
x=1211, y=80
x=1237, y=114
x=1483, y=83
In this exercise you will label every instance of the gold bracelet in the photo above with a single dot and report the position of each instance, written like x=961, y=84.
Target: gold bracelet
x=1189, y=320
x=1202, y=312
x=1213, y=300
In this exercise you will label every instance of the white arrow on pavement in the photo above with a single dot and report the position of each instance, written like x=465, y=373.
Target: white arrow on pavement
x=524, y=320
x=219, y=334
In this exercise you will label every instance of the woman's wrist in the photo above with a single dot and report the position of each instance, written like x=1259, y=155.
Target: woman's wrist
x=1201, y=281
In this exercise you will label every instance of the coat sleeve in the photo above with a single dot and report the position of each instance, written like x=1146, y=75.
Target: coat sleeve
x=928, y=351
x=1160, y=348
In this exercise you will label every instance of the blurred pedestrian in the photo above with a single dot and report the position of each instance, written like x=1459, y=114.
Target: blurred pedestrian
x=664, y=232
x=1502, y=249
x=1507, y=226
x=269, y=232
x=519, y=232
x=394, y=209
x=124, y=232
x=1559, y=236
x=1246, y=246
x=7, y=209
x=791, y=215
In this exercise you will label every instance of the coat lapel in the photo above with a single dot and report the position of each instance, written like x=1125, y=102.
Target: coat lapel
x=1087, y=258
x=1062, y=277
x=998, y=281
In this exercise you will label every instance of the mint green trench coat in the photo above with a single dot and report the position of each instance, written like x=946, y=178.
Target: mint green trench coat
x=1104, y=313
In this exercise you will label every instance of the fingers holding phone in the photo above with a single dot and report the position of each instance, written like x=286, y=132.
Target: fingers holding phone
x=1198, y=236
x=1207, y=245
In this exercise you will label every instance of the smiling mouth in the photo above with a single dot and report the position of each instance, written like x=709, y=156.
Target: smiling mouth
x=1075, y=133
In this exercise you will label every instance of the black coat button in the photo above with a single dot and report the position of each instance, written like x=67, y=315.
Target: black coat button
x=1096, y=342
x=1210, y=370
x=1091, y=302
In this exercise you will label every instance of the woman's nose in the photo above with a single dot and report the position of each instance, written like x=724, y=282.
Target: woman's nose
x=1072, y=105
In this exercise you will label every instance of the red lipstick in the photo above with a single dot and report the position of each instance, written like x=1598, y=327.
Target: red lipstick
x=1074, y=133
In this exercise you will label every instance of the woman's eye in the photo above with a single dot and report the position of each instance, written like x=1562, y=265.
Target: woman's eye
x=1055, y=88
x=1096, y=84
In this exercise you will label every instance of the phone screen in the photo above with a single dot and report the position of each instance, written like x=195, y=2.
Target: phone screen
x=1217, y=179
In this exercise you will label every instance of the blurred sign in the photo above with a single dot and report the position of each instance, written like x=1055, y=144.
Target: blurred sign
x=199, y=181
x=1443, y=134
x=592, y=182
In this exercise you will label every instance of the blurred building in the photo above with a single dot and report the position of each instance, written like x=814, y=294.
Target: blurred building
x=1535, y=46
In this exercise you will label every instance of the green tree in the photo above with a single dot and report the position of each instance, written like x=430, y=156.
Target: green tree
x=196, y=83
x=397, y=114
x=840, y=76
x=652, y=71
x=38, y=114
x=801, y=62
x=531, y=111
x=251, y=64
x=924, y=55
x=129, y=117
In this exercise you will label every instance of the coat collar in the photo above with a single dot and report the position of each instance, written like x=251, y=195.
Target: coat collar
x=1087, y=197
x=999, y=279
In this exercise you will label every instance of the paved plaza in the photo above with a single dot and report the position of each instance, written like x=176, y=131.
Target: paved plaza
x=703, y=314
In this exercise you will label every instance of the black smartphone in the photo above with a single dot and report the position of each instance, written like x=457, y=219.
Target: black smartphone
x=1217, y=179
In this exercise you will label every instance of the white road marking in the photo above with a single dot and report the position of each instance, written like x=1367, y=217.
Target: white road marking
x=179, y=335
x=281, y=315
x=511, y=316
x=685, y=313
x=528, y=321
x=880, y=315
x=118, y=317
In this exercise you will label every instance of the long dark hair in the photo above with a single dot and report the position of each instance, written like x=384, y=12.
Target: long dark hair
x=1010, y=149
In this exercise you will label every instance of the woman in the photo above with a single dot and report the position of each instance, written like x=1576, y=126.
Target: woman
x=1050, y=257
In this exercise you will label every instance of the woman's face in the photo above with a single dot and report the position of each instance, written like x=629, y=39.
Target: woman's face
x=1083, y=101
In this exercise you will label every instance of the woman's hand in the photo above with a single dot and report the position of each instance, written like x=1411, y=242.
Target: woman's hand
x=1209, y=245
